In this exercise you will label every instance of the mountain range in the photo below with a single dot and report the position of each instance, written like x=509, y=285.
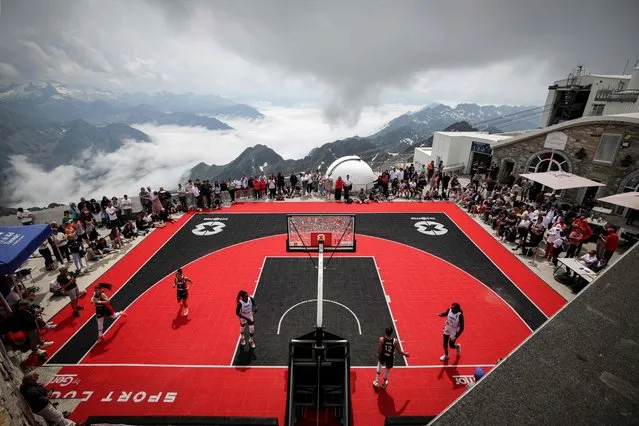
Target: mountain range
x=55, y=102
x=397, y=140
x=54, y=144
x=54, y=124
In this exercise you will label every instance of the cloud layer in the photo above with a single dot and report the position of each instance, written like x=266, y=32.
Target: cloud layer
x=347, y=54
x=291, y=132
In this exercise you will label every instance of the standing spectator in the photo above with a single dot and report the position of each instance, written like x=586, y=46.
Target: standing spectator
x=272, y=186
x=96, y=211
x=348, y=186
x=611, y=242
x=182, y=197
x=445, y=182
x=127, y=207
x=38, y=399
x=145, y=200
x=280, y=183
x=328, y=186
x=231, y=187
x=70, y=288
x=293, y=180
x=45, y=252
x=60, y=239
x=112, y=215
x=339, y=185
x=24, y=216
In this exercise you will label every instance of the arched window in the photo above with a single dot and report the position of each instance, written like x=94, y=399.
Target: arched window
x=548, y=162
x=632, y=185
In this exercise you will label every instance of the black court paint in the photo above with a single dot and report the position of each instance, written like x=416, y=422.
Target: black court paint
x=286, y=282
x=186, y=245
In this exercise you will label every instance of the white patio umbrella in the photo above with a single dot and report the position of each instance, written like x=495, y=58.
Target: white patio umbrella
x=625, y=199
x=561, y=180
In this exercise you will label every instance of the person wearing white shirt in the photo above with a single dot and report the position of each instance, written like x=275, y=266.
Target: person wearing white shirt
x=127, y=207
x=24, y=216
x=112, y=215
x=589, y=259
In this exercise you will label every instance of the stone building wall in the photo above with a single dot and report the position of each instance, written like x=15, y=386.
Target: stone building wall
x=586, y=136
x=13, y=410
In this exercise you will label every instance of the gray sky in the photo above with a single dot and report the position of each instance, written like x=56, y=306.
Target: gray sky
x=343, y=54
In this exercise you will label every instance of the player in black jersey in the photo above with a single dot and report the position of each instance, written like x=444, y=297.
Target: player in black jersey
x=103, y=307
x=386, y=347
x=182, y=284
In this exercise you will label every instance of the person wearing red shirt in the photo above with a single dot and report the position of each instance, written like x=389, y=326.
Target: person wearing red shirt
x=611, y=241
x=339, y=185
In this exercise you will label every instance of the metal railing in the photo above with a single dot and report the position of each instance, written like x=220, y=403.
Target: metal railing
x=608, y=95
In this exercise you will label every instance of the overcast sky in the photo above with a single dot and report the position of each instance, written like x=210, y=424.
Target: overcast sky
x=342, y=54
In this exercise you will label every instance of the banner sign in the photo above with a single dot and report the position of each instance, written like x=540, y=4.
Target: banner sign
x=556, y=140
x=481, y=148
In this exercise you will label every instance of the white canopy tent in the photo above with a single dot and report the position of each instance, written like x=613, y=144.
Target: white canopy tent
x=561, y=180
x=625, y=199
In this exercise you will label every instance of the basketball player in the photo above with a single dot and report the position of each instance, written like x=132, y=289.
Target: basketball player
x=245, y=308
x=182, y=284
x=103, y=307
x=453, y=328
x=386, y=347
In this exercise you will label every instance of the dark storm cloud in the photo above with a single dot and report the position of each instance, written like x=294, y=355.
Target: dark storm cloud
x=350, y=50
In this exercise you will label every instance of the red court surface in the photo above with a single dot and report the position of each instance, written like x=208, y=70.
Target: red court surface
x=159, y=363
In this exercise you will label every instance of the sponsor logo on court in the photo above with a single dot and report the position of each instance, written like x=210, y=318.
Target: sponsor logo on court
x=430, y=227
x=64, y=380
x=121, y=396
x=208, y=228
x=464, y=380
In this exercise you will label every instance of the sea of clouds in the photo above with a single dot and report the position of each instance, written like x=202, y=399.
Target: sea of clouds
x=173, y=150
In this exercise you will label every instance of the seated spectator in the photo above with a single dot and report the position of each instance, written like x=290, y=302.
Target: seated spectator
x=589, y=259
x=56, y=289
x=93, y=252
x=116, y=238
x=361, y=197
x=128, y=231
x=38, y=399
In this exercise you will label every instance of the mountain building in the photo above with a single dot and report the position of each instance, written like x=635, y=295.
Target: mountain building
x=601, y=148
x=458, y=150
x=583, y=95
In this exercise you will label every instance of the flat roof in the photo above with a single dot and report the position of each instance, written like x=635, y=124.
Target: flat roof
x=580, y=367
x=619, y=76
x=495, y=137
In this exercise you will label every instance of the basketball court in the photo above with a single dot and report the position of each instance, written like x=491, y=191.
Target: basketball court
x=407, y=263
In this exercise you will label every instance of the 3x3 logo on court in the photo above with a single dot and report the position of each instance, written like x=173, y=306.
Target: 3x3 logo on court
x=210, y=226
x=428, y=226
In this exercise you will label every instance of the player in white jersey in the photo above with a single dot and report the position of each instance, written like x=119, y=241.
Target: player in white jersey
x=245, y=309
x=386, y=347
x=453, y=328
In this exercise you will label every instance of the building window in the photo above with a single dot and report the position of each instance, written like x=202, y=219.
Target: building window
x=548, y=162
x=607, y=149
x=597, y=109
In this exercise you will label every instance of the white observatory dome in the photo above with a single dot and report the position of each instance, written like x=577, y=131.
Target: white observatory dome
x=360, y=173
